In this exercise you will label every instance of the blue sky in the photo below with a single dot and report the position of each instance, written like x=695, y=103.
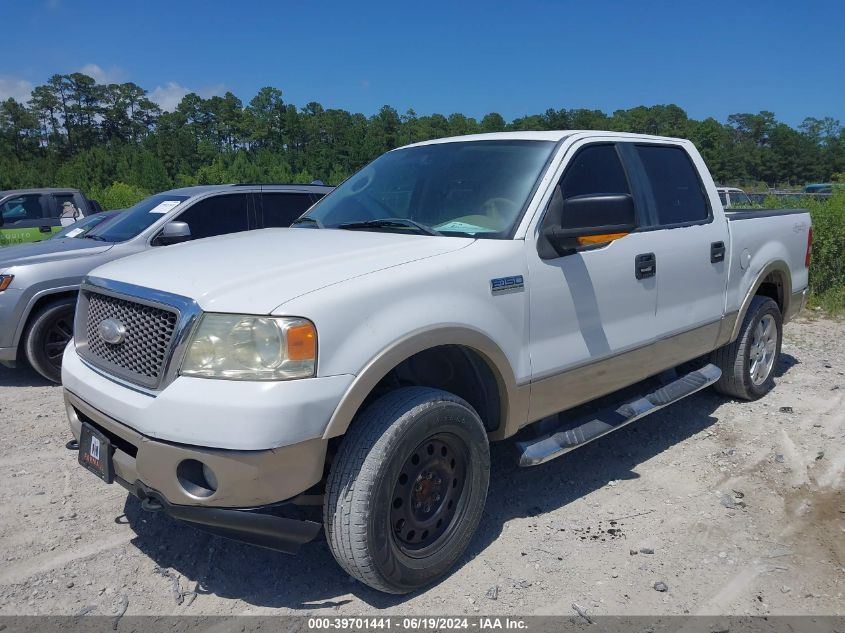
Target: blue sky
x=516, y=58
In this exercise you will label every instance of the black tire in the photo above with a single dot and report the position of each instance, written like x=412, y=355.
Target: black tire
x=735, y=360
x=450, y=476
x=47, y=335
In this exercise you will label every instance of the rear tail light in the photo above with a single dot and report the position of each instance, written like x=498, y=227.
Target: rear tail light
x=809, y=253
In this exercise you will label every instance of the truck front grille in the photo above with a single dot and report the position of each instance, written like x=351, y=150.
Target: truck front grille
x=142, y=353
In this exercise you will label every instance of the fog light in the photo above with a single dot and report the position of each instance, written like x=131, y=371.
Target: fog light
x=210, y=477
x=197, y=479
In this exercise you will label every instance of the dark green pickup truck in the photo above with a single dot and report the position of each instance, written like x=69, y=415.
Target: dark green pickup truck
x=29, y=215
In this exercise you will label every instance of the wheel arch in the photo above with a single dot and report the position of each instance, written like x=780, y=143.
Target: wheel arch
x=511, y=404
x=773, y=281
x=36, y=303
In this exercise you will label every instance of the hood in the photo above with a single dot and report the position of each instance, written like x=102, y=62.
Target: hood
x=50, y=251
x=256, y=271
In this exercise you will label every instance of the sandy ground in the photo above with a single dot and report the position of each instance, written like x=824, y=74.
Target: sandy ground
x=738, y=508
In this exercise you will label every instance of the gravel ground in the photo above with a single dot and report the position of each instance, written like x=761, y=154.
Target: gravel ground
x=735, y=507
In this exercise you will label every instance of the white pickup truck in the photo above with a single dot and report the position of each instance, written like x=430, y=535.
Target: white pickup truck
x=449, y=294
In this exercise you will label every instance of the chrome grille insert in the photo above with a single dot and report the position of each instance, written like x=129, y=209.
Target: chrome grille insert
x=142, y=355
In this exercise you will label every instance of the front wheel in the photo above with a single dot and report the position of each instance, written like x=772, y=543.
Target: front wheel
x=748, y=364
x=407, y=488
x=47, y=336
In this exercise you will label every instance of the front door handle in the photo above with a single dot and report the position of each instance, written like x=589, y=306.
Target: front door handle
x=717, y=252
x=45, y=229
x=645, y=265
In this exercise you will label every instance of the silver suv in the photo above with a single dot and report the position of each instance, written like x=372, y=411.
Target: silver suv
x=39, y=282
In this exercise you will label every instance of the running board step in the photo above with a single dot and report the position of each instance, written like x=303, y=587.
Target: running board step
x=554, y=444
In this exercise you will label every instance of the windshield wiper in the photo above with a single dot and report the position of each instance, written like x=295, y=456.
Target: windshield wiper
x=391, y=223
x=307, y=218
x=88, y=236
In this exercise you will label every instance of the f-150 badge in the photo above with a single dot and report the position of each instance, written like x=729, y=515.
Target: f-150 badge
x=503, y=284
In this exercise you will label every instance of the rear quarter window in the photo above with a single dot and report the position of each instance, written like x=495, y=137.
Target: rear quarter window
x=676, y=188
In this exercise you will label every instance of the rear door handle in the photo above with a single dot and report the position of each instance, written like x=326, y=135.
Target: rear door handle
x=45, y=229
x=717, y=252
x=645, y=265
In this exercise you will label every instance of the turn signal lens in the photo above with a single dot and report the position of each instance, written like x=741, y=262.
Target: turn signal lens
x=5, y=281
x=302, y=342
x=591, y=240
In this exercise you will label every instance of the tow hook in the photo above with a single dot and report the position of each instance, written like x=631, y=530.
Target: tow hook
x=73, y=445
x=151, y=505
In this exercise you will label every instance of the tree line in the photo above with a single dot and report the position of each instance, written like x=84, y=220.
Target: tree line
x=76, y=132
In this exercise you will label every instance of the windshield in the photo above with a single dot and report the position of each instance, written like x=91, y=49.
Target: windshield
x=134, y=220
x=473, y=188
x=83, y=226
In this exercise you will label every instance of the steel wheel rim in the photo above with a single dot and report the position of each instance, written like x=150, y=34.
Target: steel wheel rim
x=761, y=355
x=57, y=337
x=429, y=495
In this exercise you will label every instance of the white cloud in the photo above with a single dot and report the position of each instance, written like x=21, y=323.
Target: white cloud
x=101, y=76
x=170, y=94
x=16, y=88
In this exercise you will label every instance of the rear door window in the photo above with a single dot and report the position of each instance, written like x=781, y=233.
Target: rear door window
x=279, y=209
x=59, y=200
x=217, y=215
x=677, y=191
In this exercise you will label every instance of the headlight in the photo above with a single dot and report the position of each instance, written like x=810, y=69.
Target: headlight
x=244, y=347
x=5, y=281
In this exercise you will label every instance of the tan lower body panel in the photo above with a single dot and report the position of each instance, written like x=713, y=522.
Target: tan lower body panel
x=245, y=478
x=582, y=384
x=797, y=303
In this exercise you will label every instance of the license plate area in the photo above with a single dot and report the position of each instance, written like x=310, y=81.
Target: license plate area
x=95, y=453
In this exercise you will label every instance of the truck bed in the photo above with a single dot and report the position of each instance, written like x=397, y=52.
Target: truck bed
x=762, y=236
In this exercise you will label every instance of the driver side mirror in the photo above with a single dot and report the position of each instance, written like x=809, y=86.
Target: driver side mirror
x=586, y=220
x=173, y=233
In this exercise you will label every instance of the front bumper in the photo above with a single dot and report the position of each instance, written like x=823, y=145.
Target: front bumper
x=11, y=308
x=247, y=481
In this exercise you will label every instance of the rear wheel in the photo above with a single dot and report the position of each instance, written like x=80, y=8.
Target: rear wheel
x=407, y=489
x=49, y=332
x=748, y=363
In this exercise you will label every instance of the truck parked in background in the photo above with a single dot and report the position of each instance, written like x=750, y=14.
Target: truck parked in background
x=29, y=215
x=732, y=197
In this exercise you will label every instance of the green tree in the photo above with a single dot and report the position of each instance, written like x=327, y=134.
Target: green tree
x=74, y=131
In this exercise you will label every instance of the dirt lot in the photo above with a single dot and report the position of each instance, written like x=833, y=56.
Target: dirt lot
x=737, y=507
